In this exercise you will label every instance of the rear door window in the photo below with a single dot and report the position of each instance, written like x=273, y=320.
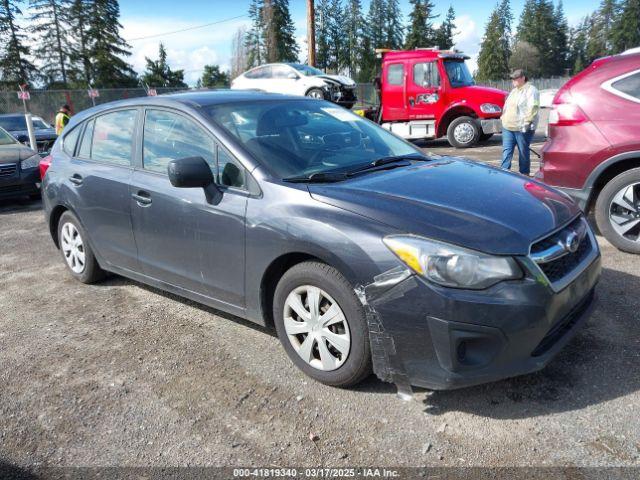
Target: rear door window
x=85, y=146
x=113, y=137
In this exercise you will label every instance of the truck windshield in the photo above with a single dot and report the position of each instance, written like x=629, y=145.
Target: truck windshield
x=305, y=137
x=458, y=73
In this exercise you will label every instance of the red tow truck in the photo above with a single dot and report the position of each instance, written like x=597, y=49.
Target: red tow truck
x=428, y=93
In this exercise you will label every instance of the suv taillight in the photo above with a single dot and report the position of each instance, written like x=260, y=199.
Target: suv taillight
x=45, y=163
x=565, y=111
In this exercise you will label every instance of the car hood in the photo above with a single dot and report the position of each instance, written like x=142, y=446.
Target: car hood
x=43, y=134
x=455, y=201
x=338, y=80
x=14, y=153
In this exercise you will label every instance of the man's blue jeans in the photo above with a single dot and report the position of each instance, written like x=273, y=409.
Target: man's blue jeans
x=509, y=141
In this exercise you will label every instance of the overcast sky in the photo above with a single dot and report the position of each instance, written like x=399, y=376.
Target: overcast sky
x=193, y=49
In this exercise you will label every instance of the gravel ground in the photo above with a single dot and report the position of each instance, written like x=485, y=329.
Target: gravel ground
x=121, y=374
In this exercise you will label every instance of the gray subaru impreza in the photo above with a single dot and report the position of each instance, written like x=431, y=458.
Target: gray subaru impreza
x=361, y=251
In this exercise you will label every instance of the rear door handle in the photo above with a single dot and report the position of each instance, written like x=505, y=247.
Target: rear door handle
x=143, y=198
x=76, y=179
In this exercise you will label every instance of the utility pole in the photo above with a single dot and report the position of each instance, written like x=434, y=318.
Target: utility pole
x=311, y=33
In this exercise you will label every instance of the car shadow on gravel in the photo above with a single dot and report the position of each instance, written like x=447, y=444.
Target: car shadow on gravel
x=12, y=472
x=600, y=364
x=116, y=280
x=14, y=205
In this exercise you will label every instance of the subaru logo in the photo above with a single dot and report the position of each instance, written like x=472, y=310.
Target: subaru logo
x=571, y=242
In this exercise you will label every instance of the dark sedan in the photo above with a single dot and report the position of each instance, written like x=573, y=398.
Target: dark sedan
x=361, y=251
x=15, y=124
x=19, y=173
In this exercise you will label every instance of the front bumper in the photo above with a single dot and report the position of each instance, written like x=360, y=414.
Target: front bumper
x=491, y=125
x=442, y=338
x=15, y=182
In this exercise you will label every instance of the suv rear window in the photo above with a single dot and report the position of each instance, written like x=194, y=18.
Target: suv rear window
x=629, y=85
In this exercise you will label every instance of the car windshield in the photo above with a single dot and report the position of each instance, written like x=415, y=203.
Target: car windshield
x=6, y=138
x=307, y=137
x=18, y=122
x=458, y=73
x=307, y=70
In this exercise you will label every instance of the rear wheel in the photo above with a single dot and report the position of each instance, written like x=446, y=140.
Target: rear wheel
x=617, y=211
x=463, y=132
x=321, y=324
x=76, y=251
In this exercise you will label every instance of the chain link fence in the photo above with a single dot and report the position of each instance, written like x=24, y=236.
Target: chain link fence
x=45, y=103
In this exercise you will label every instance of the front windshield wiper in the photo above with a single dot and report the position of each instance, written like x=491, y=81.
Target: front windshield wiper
x=401, y=160
x=320, y=177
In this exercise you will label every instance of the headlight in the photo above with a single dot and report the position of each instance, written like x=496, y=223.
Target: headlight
x=452, y=266
x=490, y=108
x=30, y=162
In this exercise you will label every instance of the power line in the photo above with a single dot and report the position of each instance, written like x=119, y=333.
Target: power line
x=185, y=29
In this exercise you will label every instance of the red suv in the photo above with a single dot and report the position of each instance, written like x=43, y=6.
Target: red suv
x=593, y=146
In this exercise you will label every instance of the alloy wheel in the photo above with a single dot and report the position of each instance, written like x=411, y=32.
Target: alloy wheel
x=464, y=133
x=316, y=93
x=73, y=247
x=624, y=212
x=317, y=328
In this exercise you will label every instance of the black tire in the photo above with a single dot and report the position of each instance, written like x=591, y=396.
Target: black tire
x=357, y=365
x=472, y=138
x=603, y=205
x=92, y=271
x=485, y=136
x=316, y=93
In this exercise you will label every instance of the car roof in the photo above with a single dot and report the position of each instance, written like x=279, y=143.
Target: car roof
x=194, y=99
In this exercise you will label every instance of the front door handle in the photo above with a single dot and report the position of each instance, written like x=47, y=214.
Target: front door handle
x=143, y=198
x=76, y=179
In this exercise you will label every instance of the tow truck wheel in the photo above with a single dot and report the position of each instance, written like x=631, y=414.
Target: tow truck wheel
x=463, y=132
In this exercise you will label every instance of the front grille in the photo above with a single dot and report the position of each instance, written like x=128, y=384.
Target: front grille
x=7, y=170
x=562, y=327
x=558, y=268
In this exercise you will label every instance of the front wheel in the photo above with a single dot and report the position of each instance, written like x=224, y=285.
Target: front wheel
x=316, y=93
x=463, y=132
x=321, y=324
x=617, y=211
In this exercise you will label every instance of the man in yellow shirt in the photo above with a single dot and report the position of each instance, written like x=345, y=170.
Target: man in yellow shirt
x=62, y=118
x=519, y=121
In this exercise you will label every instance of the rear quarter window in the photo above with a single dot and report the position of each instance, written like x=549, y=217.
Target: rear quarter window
x=70, y=140
x=629, y=86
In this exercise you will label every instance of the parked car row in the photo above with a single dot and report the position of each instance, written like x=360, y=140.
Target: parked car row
x=15, y=124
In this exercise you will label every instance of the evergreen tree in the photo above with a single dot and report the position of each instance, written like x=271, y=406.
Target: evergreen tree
x=323, y=26
x=254, y=39
x=79, y=19
x=578, y=59
x=373, y=37
x=446, y=31
x=626, y=33
x=353, y=32
x=49, y=18
x=560, y=41
x=212, y=76
x=336, y=36
x=108, y=47
x=506, y=20
x=394, y=31
x=493, y=57
x=15, y=67
x=537, y=27
x=159, y=74
x=600, y=38
x=279, y=32
x=420, y=32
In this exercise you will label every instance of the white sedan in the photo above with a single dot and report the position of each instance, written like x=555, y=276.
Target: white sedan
x=298, y=79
